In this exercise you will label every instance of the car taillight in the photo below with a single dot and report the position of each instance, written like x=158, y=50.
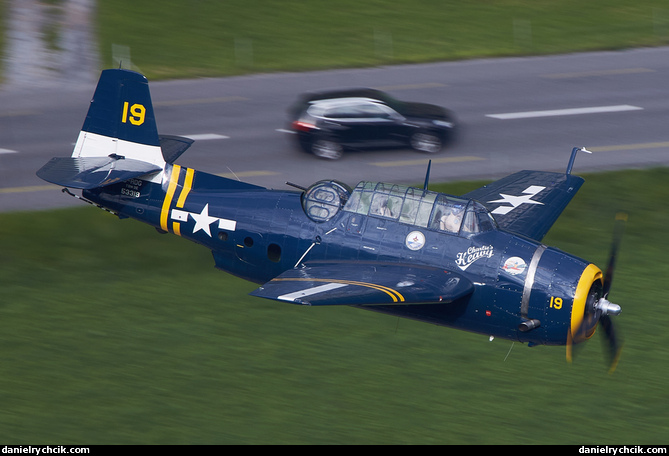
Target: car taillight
x=301, y=125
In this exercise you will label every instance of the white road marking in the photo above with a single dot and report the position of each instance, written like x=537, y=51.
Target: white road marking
x=206, y=137
x=8, y=151
x=198, y=101
x=564, y=112
x=587, y=74
x=30, y=188
x=639, y=146
x=424, y=85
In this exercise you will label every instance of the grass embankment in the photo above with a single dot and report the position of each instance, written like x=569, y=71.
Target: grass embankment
x=114, y=334
x=207, y=38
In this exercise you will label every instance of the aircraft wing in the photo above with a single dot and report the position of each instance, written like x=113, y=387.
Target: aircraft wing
x=528, y=202
x=365, y=283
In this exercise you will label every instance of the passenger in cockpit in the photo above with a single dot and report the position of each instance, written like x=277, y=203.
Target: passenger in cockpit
x=451, y=220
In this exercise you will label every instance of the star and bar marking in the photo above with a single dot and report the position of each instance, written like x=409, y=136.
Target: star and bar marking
x=515, y=201
x=202, y=219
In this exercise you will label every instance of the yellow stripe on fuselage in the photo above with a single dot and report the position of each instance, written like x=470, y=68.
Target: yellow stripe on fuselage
x=167, y=202
x=188, y=184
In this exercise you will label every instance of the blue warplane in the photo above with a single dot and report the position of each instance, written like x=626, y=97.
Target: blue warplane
x=474, y=262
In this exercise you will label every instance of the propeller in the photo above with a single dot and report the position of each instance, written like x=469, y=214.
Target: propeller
x=598, y=309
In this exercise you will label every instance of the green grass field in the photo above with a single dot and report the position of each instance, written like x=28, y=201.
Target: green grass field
x=179, y=39
x=213, y=38
x=3, y=40
x=114, y=334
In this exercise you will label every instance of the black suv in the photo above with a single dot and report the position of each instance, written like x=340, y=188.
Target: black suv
x=328, y=122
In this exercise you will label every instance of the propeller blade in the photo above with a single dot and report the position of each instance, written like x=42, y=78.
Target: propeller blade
x=618, y=229
x=613, y=343
x=600, y=313
x=574, y=340
x=570, y=348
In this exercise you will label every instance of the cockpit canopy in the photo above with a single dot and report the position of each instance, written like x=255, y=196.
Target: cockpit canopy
x=421, y=208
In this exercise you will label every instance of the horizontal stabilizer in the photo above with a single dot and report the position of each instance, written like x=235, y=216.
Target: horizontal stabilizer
x=359, y=284
x=92, y=172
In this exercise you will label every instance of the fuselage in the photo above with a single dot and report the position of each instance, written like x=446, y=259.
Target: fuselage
x=257, y=234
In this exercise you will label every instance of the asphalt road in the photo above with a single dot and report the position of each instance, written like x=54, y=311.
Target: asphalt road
x=516, y=113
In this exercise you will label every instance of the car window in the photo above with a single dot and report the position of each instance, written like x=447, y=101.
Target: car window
x=341, y=112
x=357, y=110
x=371, y=111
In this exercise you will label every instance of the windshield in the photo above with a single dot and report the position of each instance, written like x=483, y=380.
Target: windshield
x=419, y=207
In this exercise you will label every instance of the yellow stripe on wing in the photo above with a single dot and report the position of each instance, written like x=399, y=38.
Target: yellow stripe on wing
x=395, y=295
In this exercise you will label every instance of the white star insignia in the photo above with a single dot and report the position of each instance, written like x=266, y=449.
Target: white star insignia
x=203, y=220
x=515, y=201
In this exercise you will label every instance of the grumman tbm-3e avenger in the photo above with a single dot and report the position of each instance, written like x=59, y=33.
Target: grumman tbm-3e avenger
x=473, y=262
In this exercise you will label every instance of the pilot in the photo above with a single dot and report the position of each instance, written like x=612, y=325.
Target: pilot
x=380, y=207
x=451, y=220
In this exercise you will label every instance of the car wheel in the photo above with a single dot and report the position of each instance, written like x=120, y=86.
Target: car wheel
x=304, y=143
x=327, y=148
x=425, y=141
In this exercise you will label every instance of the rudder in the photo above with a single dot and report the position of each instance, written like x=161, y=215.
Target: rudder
x=120, y=120
x=119, y=139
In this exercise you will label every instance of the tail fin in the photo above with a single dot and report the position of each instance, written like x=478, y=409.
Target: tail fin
x=119, y=139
